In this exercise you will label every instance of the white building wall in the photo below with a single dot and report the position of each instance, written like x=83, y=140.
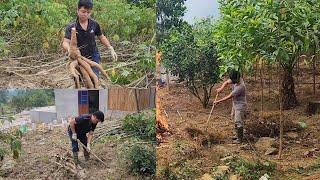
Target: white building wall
x=103, y=100
x=66, y=101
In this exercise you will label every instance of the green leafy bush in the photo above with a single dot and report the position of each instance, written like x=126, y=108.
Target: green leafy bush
x=189, y=51
x=31, y=27
x=143, y=3
x=251, y=169
x=142, y=160
x=11, y=142
x=141, y=124
x=143, y=54
x=127, y=21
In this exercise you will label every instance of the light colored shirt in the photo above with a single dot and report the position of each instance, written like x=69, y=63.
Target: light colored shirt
x=239, y=96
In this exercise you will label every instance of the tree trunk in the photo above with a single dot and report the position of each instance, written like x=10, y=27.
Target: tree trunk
x=270, y=79
x=206, y=97
x=313, y=107
x=314, y=71
x=168, y=79
x=289, y=99
x=281, y=115
x=262, y=87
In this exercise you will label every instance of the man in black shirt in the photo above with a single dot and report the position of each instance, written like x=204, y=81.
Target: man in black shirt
x=79, y=127
x=87, y=30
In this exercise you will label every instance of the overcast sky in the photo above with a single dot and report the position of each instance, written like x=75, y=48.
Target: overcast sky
x=201, y=9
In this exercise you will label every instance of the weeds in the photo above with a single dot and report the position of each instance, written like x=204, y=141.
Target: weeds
x=249, y=169
x=142, y=160
x=141, y=124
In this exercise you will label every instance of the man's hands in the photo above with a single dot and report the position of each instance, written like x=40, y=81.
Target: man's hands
x=67, y=53
x=223, y=86
x=74, y=136
x=113, y=54
x=219, y=89
x=89, y=136
x=216, y=102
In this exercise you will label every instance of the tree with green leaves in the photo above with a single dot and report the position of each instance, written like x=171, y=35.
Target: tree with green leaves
x=189, y=51
x=274, y=31
x=32, y=27
x=143, y=3
x=28, y=98
x=169, y=15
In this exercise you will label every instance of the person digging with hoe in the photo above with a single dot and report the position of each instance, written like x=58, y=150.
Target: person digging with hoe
x=81, y=128
x=87, y=29
x=239, y=102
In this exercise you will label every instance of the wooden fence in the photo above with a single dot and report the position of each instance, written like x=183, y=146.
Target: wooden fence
x=131, y=99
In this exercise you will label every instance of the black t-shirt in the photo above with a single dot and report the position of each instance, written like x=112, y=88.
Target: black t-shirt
x=86, y=39
x=84, y=125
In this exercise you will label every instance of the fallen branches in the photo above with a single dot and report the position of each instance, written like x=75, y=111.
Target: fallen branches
x=65, y=161
x=92, y=153
x=52, y=70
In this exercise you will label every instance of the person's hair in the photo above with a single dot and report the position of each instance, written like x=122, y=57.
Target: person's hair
x=99, y=115
x=235, y=76
x=87, y=4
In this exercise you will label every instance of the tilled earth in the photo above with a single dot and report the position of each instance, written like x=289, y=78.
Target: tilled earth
x=188, y=142
x=42, y=147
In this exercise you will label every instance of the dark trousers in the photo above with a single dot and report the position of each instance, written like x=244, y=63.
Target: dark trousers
x=96, y=58
x=82, y=138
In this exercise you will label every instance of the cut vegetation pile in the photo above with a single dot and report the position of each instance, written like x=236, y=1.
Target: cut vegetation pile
x=204, y=138
x=268, y=125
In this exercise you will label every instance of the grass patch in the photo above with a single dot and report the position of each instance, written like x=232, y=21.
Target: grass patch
x=249, y=169
x=142, y=160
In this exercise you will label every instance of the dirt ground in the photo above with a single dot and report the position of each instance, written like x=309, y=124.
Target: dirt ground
x=41, y=148
x=188, y=152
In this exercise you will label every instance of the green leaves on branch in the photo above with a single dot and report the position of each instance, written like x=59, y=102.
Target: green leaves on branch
x=142, y=160
x=144, y=55
x=169, y=15
x=189, y=52
x=11, y=141
x=141, y=124
x=273, y=30
x=126, y=20
x=28, y=27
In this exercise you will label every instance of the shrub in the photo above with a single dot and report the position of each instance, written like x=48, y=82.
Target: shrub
x=189, y=51
x=142, y=160
x=141, y=124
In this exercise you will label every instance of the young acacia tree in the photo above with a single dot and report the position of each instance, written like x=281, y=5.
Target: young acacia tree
x=189, y=51
x=278, y=31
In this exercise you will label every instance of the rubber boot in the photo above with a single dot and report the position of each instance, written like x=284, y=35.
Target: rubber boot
x=76, y=158
x=86, y=154
x=235, y=137
x=239, y=135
